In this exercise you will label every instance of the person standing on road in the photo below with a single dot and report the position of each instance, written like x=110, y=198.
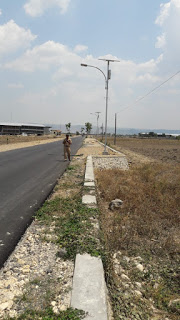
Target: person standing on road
x=67, y=151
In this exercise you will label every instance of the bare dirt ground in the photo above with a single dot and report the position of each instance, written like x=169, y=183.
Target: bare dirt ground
x=148, y=150
x=17, y=142
x=92, y=147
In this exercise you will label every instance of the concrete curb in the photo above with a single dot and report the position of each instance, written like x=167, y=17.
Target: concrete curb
x=89, y=174
x=89, y=291
x=89, y=199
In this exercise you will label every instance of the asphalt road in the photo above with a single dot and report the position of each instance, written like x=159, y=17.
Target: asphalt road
x=27, y=176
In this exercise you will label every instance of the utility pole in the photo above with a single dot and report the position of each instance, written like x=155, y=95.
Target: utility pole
x=102, y=131
x=115, y=129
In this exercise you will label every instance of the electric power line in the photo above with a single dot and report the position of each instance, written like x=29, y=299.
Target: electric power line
x=150, y=92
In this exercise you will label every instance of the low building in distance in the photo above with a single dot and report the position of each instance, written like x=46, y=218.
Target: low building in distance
x=56, y=132
x=23, y=129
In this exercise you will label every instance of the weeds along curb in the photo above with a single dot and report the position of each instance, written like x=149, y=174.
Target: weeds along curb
x=77, y=233
x=74, y=222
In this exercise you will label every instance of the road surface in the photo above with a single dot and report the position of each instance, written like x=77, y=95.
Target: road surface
x=27, y=176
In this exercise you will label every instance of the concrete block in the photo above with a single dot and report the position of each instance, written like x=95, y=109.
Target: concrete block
x=89, y=288
x=89, y=199
x=89, y=174
x=90, y=184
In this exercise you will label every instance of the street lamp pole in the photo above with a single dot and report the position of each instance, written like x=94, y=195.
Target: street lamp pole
x=107, y=78
x=88, y=65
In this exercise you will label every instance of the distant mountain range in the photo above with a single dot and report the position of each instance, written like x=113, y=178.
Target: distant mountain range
x=121, y=131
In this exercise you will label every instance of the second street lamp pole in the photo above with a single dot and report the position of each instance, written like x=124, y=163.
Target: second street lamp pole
x=97, y=116
x=97, y=121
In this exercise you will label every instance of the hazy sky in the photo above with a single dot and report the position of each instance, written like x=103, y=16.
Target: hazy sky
x=43, y=43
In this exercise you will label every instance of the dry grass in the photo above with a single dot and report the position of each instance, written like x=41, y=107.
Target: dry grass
x=150, y=213
x=146, y=225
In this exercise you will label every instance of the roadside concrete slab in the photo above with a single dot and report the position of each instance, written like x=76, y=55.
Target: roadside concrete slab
x=89, y=174
x=89, y=199
x=90, y=184
x=89, y=288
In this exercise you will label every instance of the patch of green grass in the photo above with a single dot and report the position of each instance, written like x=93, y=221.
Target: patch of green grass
x=48, y=314
x=170, y=274
x=87, y=190
x=167, y=289
x=45, y=213
x=128, y=306
x=36, y=282
x=73, y=228
x=69, y=185
x=74, y=232
x=161, y=297
x=72, y=168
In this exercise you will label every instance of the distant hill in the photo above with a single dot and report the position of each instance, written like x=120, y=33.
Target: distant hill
x=121, y=131
x=131, y=131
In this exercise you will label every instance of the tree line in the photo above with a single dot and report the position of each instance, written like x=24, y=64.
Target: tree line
x=87, y=129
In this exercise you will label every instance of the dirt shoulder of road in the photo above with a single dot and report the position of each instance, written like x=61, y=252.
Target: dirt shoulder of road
x=20, y=145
